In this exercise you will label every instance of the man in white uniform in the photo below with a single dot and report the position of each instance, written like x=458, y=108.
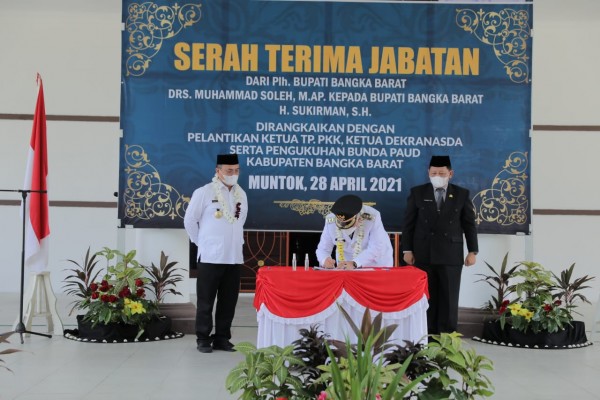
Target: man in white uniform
x=357, y=234
x=214, y=221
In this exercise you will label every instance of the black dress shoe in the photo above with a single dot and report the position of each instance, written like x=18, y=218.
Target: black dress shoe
x=205, y=348
x=225, y=346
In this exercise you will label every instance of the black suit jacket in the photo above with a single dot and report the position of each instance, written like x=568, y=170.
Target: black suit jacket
x=437, y=238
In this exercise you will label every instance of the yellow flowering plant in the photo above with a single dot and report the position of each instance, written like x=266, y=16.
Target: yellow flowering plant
x=544, y=301
x=535, y=314
x=119, y=296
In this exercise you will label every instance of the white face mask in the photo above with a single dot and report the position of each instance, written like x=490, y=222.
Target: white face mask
x=438, y=181
x=230, y=180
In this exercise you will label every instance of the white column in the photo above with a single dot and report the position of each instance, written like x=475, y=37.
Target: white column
x=174, y=243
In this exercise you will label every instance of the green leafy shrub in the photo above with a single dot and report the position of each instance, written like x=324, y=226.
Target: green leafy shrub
x=360, y=376
x=117, y=292
x=78, y=283
x=499, y=281
x=164, y=278
x=311, y=348
x=458, y=372
x=265, y=373
x=530, y=298
x=317, y=367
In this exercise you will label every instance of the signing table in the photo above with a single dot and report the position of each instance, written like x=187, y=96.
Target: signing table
x=287, y=301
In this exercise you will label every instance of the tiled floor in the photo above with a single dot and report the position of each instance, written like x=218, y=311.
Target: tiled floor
x=62, y=369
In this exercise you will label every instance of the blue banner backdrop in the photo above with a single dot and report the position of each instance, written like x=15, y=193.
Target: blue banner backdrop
x=321, y=99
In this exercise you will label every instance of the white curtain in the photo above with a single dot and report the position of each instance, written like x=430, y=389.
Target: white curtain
x=280, y=331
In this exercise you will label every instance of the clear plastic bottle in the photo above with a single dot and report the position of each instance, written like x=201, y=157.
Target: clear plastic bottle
x=294, y=262
x=306, y=262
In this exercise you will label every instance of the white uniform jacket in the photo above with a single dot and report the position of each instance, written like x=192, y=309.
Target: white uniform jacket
x=219, y=240
x=375, y=245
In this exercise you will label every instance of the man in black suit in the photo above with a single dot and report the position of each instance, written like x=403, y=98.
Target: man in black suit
x=438, y=216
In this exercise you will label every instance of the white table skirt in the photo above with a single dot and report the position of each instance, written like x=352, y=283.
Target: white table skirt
x=280, y=331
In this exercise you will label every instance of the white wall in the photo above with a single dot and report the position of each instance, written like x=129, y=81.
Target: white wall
x=565, y=92
x=565, y=60
x=75, y=46
x=81, y=74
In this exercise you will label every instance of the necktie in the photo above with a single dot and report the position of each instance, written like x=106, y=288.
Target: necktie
x=439, y=197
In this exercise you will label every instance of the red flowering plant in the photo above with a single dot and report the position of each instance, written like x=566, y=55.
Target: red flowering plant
x=119, y=296
x=541, y=301
x=536, y=314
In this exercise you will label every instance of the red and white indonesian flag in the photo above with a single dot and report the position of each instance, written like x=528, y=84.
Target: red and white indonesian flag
x=37, y=228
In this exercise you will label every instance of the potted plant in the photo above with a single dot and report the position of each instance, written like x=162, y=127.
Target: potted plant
x=370, y=369
x=115, y=303
x=537, y=308
x=82, y=275
x=362, y=371
x=360, y=376
x=458, y=373
x=314, y=347
x=442, y=368
x=265, y=373
x=499, y=282
x=164, y=278
x=568, y=291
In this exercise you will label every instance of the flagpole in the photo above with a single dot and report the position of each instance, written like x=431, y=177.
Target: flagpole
x=20, y=327
x=35, y=220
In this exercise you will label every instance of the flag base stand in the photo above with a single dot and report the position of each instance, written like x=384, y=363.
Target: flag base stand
x=19, y=325
x=40, y=302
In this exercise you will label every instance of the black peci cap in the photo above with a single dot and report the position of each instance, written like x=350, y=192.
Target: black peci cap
x=346, y=207
x=440, y=161
x=227, y=159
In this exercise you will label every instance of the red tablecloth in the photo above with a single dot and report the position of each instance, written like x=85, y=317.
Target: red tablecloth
x=300, y=293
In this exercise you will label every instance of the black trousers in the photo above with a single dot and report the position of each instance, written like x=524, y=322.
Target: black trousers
x=220, y=282
x=444, y=288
